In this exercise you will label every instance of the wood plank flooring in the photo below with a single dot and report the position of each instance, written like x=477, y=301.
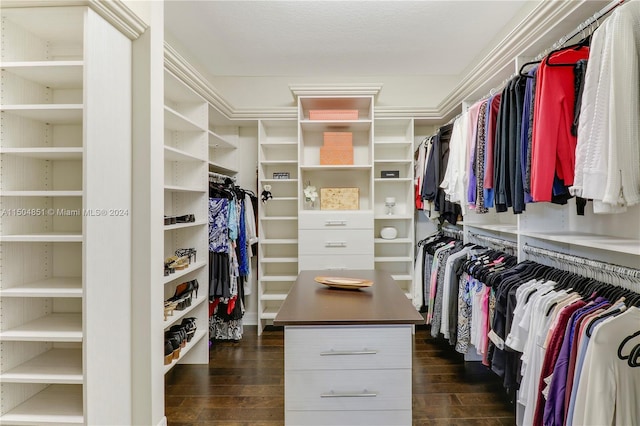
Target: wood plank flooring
x=244, y=386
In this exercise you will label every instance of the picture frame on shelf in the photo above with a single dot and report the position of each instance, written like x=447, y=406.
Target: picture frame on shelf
x=281, y=175
x=390, y=174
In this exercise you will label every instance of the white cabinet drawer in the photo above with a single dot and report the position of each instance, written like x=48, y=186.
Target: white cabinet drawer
x=366, y=347
x=333, y=241
x=335, y=262
x=335, y=220
x=344, y=418
x=348, y=390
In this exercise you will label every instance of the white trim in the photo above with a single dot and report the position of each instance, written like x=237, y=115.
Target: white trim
x=357, y=89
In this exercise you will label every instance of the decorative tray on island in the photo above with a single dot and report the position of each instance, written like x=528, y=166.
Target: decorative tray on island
x=344, y=282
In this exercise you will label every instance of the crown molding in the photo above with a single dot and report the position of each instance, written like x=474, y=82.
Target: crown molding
x=356, y=89
x=530, y=30
x=422, y=114
x=113, y=11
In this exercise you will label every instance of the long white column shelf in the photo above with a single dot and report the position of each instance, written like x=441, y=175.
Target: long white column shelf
x=61, y=366
x=50, y=237
x=185, y=225
x=279, y=180
x=55, y=405
x=62, y=153
x=50, y=328
x=200, y=334
x=272, y=295
x=48, y=113
x=217, y=141
x=175, y=121
x=178, y=315
x=42, y=194
x=278, y=278
x=583, y=239
x=175, y=188
x=181, y=273
x=174, y=154
x=336, y=168
x=500, y=227
x=52, y=287
x=269, y=313
x=339, y=125
x=58, y=74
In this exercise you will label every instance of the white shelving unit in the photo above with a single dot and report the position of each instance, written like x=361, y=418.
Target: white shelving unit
x=278, y=217
x=186, y=151
x=223, y=143
x=64, y=222
x=393, y=150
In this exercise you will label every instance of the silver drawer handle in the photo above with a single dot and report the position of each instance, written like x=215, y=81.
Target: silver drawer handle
x=335, y=244
x=362, y=352
x=363, y=394
x=335, y=223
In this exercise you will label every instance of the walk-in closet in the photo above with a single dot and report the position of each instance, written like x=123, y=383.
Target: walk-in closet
x=320, y=213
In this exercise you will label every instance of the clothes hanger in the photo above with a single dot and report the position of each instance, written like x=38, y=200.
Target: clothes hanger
x=526, y=64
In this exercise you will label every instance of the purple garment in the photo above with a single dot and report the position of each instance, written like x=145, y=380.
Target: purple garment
x=554, y=405
x=524, y=131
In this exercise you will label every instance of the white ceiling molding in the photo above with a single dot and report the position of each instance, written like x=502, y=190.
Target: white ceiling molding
x=525, y=35
x=355, y=89
x=113, y=11
x=425, y=115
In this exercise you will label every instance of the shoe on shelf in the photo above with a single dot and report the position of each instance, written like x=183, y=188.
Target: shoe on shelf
x=181, y=331
x=190, y=326
x=187, y=218
x=190, y=253
x=175, y=339
x=169, y=307
x=169, y=220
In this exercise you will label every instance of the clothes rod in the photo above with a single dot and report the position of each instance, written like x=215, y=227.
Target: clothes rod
x=583, y=261
x=495, y=241
x=214, y=177
x=453, y=232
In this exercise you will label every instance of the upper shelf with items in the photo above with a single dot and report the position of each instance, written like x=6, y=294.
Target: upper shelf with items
x=336, y=110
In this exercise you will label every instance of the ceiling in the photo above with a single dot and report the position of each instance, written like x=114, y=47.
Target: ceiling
x=419, y=51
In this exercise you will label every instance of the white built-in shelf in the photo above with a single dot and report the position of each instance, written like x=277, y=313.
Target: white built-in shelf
x=393, y=216
x=217, y=141
x=200, y=334
x=185, y=225
x=174, y=154
x=178, y=315
x=48, y=113
x=220, y=168
x=279, y=278
x=279, y=218
x=269, y=181
x=181, y=273
x=583, y=239
x=396, y=180
x=331, y=168
x=336, y=125
x=279, y=241
x=273, y=295
x=50, y=328
x=394, y=241
x=50, y=237
x=398, y=161
x=269, y=313
x=176, y=188
x=278, y=162
x=61, y=366
x=501, y=227
x=62, y=153
x=173, y=120
x=276, y=199
x=52, y=287
x=402, y=277
x=392, y=143
x=55, y=405
x=280, y=143
x=56, y=74
x=279, y=259
x=42, y=194
x=393, y=259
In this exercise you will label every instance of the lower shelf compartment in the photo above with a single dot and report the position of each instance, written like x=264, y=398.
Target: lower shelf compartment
x=62, y=366
x=55, y=405
x=200, y=334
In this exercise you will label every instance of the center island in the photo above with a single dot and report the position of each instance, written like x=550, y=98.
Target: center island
x=347, y=352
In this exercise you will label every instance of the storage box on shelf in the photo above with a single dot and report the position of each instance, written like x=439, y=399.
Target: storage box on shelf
x=58, y=147
x=278, y=252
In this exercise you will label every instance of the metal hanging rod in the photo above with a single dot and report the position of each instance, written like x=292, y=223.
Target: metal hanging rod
x=453, y=232
x=500, y=242
x=219, y=177
x=583, y=261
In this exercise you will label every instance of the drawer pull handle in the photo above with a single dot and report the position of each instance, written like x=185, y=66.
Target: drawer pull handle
x=363, y=394
x=335, y=223
x=335, y=244
x=362, y=352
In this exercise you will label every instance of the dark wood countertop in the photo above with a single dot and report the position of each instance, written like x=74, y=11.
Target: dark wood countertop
x=312, y=303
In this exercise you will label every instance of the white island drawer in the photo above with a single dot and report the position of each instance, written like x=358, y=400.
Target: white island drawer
x=348, y=390
x=373, y=347
x=344, y=418
x=335, y=220
x=333, y=241
x=335, y=262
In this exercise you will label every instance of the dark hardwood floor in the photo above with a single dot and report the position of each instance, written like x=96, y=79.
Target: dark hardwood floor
x=244, y=386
